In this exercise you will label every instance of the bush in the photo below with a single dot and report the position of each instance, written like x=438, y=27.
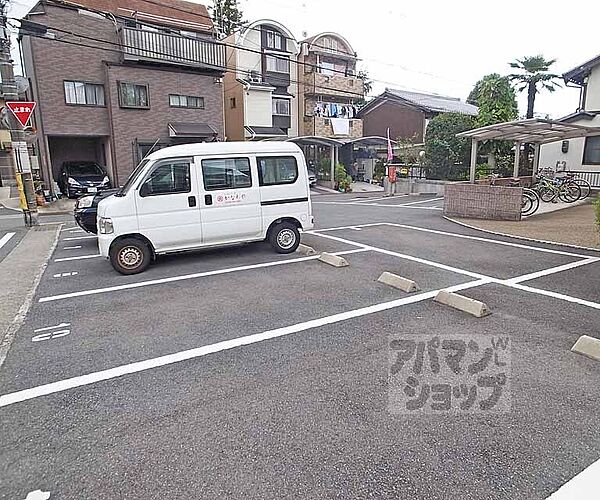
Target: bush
x=342, y=179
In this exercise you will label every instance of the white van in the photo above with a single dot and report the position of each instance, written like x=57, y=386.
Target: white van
x=202, y=195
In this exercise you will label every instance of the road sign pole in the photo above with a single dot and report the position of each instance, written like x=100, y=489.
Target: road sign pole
x=23, y=175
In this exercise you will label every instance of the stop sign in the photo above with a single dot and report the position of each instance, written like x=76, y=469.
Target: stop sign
x=22, y=110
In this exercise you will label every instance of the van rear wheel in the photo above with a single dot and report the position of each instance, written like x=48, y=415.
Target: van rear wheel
x=284, y=237
x=130, y=256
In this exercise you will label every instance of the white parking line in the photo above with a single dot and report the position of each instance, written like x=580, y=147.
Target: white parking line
x=80, y=238
x=119, y=371
x=46, y=328
x=421, y=201
x=172, y=279
x=77, y=247
x=6, y=238
x=3, y=217
x=78, y=258
x=65, y=275
x=369, y=200
x=74, y=229
x=553, y=270
x=584, y=486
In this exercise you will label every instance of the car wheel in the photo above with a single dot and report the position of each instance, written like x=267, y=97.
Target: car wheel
x=130, y=256
x=284, y=237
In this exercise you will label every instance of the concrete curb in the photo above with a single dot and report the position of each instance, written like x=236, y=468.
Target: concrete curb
x=4, y=205
x=305, y=250
x=333, y=260
x=588, y=347
x=462, y=303
x=524, y=238
x=398, y=282
x=24, y=268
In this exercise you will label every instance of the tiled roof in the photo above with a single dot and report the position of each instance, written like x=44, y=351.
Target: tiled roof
x=578, y=74
x=177, y=13
x=434, y=103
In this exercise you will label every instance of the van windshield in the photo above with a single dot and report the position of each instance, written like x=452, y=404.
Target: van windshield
x=132, y=178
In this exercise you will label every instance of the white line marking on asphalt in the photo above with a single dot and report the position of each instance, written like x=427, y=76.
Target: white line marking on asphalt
x=65, y=275
x=119, y=371
x=6, y=238
x=421, y=201
x=368, y=200
x=405, y=256
x=73, y=229
x=78, y=258
x=172, y=279
x=77, y=247
x=51, y=335
x=373, y=205
x=404, y=206
x=511, y=283
x=80, y=238
x=46, y=328
x=553, y=270
x=3, y=217
x=340, y=228
x=584, y=486
x=38, y=495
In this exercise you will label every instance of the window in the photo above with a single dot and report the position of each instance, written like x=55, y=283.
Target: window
x=277, y=170
x=281, y=107
x=226, y=173
x=274, y=40
x=186, y=101
x=232, y=103
x=327, y=68
x=133, y=95
x=168, y=177
x=591, y=151
x=277, y=64
x=84, y=94
x=330, y=44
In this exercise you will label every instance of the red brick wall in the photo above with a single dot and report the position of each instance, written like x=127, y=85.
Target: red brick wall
x=403, y=121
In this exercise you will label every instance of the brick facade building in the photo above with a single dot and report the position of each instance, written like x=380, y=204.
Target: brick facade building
x=137, y=75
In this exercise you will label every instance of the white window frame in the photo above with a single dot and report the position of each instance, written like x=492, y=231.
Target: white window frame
x=277, y=100
x=278, y=61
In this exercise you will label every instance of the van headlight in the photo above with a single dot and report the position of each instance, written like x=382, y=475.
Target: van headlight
x=84, y=202
x=105, y=181
x=73, y=182
x=105, y=226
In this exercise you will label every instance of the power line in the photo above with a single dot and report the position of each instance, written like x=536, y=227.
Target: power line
x=227, y=69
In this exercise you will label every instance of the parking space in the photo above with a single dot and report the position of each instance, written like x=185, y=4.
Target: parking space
x=223, y=356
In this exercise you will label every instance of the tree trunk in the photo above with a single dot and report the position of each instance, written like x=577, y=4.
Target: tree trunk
x=530, y=99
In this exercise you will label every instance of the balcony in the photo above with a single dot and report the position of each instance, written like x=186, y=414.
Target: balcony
x=318, y=125
x=151, y=46
x=334, y=85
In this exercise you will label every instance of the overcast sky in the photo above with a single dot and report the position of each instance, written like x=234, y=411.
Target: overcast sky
x=439, y=46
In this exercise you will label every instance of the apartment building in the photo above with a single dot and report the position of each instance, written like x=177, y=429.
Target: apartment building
x=261, y=91
x=115, y=78
x=330, y=89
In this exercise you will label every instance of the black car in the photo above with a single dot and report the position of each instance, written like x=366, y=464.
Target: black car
x=82, y=177
x=86, y=209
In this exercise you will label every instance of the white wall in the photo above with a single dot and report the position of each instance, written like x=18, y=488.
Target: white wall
x=592, y=97
x=551, y=153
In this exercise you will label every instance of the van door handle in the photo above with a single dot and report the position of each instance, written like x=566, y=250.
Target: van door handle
x=192, y=201
x=208, y=199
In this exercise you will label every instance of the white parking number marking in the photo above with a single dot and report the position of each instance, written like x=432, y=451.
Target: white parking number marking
x=51, y=332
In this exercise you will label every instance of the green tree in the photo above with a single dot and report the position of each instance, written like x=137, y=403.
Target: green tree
x=367, y=85
x=227, y=16
x=534, y=75
x=497, y=102
x=447, y=156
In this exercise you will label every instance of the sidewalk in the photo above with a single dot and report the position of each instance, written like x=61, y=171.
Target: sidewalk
x=58, y=207
x=574, y=226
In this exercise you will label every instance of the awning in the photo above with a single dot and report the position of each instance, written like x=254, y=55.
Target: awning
x=265, y=131
x=533, y=130
x=199, y=130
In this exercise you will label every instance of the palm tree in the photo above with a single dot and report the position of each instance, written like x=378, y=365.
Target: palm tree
x=534, y=71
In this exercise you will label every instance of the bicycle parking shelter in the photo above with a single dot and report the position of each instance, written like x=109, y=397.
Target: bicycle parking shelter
x=536, y=131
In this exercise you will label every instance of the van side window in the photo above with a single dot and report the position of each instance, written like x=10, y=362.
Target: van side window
x=273, y=170
x=226, y=173
x=168, y=178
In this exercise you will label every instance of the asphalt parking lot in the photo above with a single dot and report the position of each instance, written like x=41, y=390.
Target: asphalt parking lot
x=239, y=372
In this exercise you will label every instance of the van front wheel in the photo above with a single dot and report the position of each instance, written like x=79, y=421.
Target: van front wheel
x=284, y=237
x=130, y=256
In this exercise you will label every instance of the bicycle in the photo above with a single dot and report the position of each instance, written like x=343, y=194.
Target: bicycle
x=563, y=189
x=530, y=201
x=585, y=186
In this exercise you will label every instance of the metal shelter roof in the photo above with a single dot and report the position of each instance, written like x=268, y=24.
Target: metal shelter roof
x=533, y=130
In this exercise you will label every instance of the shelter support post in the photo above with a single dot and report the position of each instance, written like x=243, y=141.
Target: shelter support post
x=517, y=159
x=473, y=161
x=332, y=167
x=536, y=159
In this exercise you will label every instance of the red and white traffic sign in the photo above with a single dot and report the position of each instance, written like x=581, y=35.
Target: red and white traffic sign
x=22, y=110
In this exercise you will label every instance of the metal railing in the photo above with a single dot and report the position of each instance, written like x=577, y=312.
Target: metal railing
x=592, y=177
x=154, y=46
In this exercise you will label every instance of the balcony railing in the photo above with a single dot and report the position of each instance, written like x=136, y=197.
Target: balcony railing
x=172, y=49
x=337, y=84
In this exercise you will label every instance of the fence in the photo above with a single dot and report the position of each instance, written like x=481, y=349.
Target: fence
x=592, y=177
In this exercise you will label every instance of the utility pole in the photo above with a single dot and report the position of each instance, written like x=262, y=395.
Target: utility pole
x=23, y=173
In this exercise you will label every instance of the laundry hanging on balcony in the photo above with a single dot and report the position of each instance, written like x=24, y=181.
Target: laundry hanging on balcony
x=334, y=110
